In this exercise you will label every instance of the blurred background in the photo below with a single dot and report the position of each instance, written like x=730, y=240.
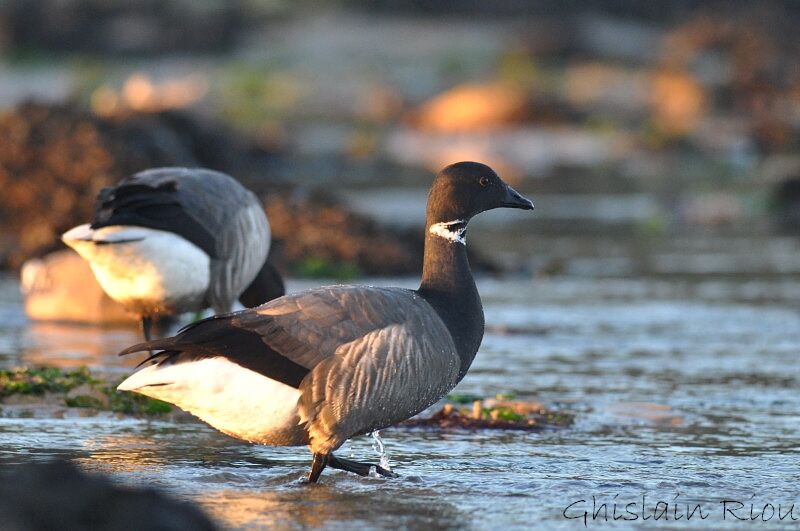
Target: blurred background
x=652, y=294
x=656, y=138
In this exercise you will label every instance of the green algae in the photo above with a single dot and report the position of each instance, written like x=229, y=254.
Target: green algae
x=94, y=393
x=38, y=381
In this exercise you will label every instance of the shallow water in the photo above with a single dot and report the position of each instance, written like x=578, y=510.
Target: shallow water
x=685, y=391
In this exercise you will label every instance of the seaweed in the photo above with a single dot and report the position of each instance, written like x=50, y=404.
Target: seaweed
x=465, y=398
x=78, y=388
x=38, y=381
x=88, y=392
x=133, y=403
x=497, y=413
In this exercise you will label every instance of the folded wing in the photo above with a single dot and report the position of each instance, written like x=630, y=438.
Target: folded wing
x=361, y=357
x=210, y=209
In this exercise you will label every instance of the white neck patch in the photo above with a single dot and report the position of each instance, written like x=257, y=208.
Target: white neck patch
x=443, y=229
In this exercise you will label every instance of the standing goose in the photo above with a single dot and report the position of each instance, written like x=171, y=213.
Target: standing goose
x=323, y=365
x=172, y=240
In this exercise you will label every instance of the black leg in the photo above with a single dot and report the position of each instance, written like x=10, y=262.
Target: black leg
x=362, y=469
x=317, y=466
x=147, y=325
x=162, y=324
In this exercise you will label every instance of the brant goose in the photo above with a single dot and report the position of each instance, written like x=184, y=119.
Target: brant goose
x=320, y=366
x=172, y=240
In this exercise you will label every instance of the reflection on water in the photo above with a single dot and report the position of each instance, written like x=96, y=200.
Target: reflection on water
x=334, y=505
x=23, y=342
x=65, y=345
x=680, y=388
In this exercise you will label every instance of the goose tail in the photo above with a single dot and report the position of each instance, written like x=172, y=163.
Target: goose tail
x=145, y=377
x=166, y=343
x=106, y=235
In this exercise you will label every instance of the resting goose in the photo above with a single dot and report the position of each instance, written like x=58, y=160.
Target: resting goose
x=172, y=240
x=320, y=366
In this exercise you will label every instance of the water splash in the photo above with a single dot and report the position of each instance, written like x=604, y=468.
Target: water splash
x=380, y=449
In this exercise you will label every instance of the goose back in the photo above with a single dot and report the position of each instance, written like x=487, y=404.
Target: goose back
x=363, y=358
x=208, y=208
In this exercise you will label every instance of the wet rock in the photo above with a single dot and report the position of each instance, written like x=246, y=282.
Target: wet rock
x=87, y=395
x=315, y=230
x=26, y=400
x=59, y=495
x=61, y=287
x=43, y=392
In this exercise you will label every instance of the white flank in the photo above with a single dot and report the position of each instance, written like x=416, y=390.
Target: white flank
x=234, y=400
x=443, y=230
x=136, y=264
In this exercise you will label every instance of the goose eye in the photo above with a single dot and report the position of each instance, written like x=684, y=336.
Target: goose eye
x=484, y=182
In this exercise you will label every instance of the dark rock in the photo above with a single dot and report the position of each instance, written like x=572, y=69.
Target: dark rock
x=58, y=495
x=317, y=228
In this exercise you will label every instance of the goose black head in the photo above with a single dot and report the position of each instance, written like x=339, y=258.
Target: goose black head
x=465, y=189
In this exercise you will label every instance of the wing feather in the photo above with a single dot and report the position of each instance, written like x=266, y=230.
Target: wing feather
x=208, y=208
x=369, y=357
x=375, y=381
